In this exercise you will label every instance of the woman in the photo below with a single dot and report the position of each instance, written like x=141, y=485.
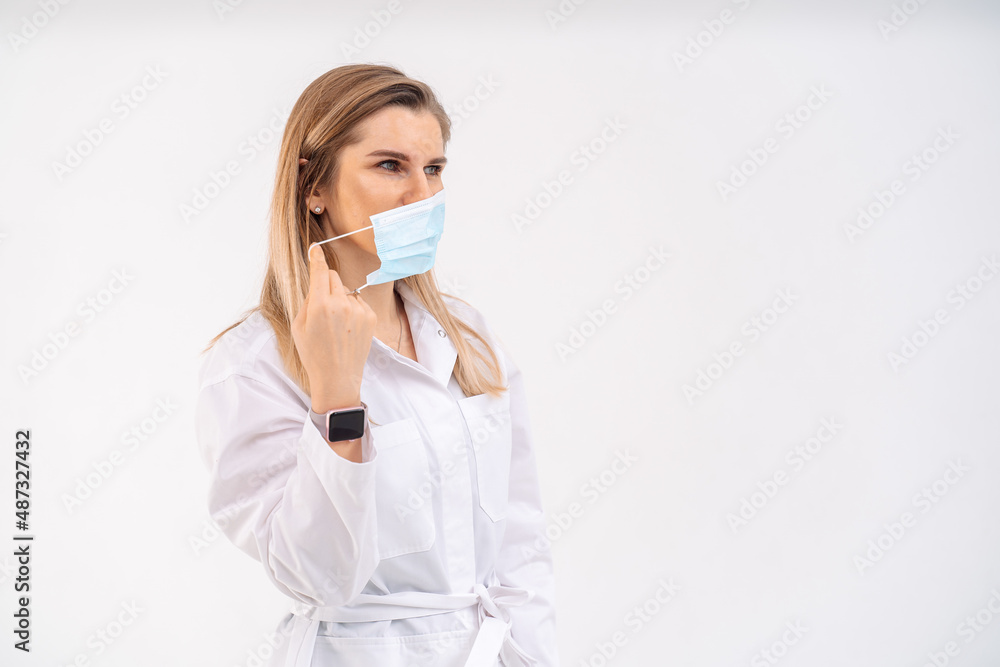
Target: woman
x=368, y=436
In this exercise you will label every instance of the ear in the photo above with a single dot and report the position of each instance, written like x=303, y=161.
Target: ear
x=315, y=199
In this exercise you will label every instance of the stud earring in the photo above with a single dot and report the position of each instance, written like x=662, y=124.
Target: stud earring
x=319, y=209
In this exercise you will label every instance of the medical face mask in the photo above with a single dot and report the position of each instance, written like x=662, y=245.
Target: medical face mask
x=406, y=239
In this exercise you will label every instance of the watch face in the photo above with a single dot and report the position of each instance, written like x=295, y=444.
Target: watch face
x=348, y=425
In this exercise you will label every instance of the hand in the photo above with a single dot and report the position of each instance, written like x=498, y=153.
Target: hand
x=333, y=334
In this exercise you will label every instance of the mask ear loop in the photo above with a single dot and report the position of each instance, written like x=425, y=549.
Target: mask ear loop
x=356, y=292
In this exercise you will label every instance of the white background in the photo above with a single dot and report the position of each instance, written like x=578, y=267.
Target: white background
x=134, y=540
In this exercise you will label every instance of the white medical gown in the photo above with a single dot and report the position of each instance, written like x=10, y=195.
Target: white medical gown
x=432, y=545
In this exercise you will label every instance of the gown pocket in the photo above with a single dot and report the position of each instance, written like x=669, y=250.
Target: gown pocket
x=405, y=519
x=488, y=419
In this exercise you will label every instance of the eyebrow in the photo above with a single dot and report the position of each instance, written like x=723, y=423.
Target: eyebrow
x=404, y=157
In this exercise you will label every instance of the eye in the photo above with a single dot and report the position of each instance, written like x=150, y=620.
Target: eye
x=435, y=169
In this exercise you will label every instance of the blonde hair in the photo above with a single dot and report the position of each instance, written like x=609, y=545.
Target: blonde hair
x=323, y=121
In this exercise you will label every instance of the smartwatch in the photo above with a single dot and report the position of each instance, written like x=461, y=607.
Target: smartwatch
x=342, y=424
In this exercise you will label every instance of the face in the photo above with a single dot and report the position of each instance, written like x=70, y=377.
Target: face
x=398, y=161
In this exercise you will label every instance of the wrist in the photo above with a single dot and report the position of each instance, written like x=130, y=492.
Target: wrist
x=322, y=403
x=341, y=425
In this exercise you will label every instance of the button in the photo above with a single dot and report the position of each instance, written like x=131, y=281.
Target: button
x=442, y=333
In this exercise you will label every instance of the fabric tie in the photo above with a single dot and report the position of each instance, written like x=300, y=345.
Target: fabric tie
x=493, y=638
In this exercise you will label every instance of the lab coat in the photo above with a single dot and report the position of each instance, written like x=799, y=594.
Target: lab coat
x=430, y=551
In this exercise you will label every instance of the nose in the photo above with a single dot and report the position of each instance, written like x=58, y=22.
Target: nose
x=418, y=187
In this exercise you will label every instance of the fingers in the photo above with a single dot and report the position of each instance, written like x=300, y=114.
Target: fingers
x=323, y=281
x=319, y=283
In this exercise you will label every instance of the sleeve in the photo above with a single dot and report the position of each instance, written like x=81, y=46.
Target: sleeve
x=525, y=558
x=281, y=495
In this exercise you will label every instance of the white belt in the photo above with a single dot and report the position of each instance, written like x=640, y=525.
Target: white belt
x=492, y=640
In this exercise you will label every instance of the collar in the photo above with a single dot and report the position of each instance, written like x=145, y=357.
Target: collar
x=435, y=351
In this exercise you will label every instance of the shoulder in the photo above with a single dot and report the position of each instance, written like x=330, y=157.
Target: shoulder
x=248, y=350
x=483, y=326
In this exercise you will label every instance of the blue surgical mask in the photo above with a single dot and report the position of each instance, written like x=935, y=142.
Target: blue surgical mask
x=406, y=239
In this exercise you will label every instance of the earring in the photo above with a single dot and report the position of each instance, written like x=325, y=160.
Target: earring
x=319, y=209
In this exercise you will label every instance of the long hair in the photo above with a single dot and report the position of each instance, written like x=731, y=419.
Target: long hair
x=324, y=120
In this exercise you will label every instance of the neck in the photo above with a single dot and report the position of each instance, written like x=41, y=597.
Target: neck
x=392, y=327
